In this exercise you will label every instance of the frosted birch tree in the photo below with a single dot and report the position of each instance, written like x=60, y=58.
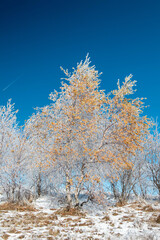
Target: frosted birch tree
x=83, y=126
x=13, y=154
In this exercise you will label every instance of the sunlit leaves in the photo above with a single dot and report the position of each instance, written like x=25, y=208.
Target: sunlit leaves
x=83, y=127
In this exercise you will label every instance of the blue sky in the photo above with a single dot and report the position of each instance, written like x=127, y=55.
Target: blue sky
x=39, y=36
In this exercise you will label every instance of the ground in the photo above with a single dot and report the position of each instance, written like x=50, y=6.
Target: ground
x=138, y=220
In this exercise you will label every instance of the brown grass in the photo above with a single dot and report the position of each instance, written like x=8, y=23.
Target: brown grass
x=142, y=206
x=5, y=236
x=114, y=213
x=21, y=237
x=87, y=223
x=106, y=218
x=121, y=204
x=16, y=207
x=148, y=208
x=158, y=219
x=52, y=217
x=70, y=212
x=127, y=219
x=13, y=230
x=136, y=205
x=54, y=232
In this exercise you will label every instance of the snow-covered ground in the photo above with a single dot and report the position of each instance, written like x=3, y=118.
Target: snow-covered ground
x=134, y=221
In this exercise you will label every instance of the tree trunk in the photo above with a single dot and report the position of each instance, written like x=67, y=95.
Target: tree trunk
x=68, y=191
x=39, y=188
x=159, y=194
x=76, y=198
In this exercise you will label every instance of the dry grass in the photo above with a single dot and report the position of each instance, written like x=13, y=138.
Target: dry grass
x=106, y=218
x=87, y=223
x=120, y=204
x=21, y=237
x=143, y=207
x=13, y=230
x=115, y=214
x=16, y=207
x=148, y=208
x=54, y=232
x=50, y=225
x=136, y=205
x=158, y=219
x=29, y=220
x=127, y=219
x=70, y=212
x=52, y=217
x=5, y=236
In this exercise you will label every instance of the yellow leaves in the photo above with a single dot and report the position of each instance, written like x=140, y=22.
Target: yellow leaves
x=95, y=178
x=125, y=89
x=75, y=124
x=70, y=181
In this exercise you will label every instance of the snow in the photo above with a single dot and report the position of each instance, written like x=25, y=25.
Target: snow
x=136, y=220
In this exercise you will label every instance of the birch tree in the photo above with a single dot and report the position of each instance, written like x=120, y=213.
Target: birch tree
x=13, y=154
x=84, y=126
x=153, y=158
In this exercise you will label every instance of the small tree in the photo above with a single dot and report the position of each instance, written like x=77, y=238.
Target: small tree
x=13, y=154
x=127, y=181
x=84, y=127
x=39, y=143
x=153, y=158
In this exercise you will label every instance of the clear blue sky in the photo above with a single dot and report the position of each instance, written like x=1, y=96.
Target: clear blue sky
x=39, y=36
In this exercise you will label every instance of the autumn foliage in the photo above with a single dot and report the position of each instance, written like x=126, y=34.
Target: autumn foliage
x=84, y=128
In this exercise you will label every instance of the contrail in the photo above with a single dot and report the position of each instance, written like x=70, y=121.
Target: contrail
x=4, y=89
